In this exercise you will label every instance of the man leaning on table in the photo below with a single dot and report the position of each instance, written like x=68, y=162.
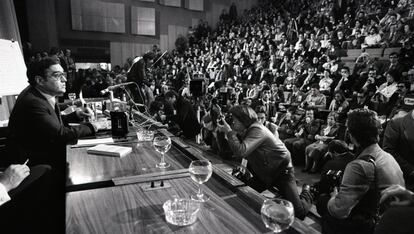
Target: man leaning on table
x=38, y=131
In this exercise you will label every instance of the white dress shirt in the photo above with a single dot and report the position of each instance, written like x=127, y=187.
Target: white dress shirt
x=4, y=196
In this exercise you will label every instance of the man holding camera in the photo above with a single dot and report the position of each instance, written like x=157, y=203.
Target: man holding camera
x=354, y=209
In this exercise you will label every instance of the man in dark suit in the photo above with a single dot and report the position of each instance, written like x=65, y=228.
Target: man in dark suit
x=137, y=73
x=399, y=141
x=38, y=132
x=180, y=112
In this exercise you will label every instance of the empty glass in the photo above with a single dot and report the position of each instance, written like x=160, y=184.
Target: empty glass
x=200, y=172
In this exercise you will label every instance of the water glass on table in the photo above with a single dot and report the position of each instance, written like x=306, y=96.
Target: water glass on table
x=72, y=97
x=200, y=172
x=162, y=144
x=277, y=214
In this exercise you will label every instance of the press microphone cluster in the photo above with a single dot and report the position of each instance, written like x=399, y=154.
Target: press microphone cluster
x=113, y=87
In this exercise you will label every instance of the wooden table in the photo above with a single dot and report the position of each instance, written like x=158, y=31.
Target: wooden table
x=87, y=171
x=106, y=195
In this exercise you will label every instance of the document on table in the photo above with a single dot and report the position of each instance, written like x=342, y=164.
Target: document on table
x=92, y=142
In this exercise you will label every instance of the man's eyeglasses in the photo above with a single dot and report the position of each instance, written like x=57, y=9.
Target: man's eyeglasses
x=58, y=75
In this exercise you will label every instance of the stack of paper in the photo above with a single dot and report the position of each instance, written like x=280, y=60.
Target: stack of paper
x=110, y=150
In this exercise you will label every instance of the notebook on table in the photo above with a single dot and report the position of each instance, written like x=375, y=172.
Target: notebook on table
x=110, y=150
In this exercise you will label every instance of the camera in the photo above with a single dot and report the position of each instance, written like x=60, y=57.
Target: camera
x=242, y=174
x=228, y=118
x=328, y=182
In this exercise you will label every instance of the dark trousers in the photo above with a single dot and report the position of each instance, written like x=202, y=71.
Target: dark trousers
x=25, y=212
x=286, y=185
x=396, y=220
x=332, y=225
x=297, y=146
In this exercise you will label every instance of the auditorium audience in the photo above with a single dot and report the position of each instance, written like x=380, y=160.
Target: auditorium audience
x=287, y=61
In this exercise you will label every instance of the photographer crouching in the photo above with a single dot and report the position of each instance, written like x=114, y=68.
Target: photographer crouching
x=354, y=208
x=268, y=159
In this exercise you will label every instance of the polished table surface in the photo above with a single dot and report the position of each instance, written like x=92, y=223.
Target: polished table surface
x=91, y=170
x=106, y=195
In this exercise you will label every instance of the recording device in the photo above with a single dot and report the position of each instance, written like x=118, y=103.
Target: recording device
x=228, y=118
x=112, y=87
x=328, y=182
x=242, y=174
x=119, y=122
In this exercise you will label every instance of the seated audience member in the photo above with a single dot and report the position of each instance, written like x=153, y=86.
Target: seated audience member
x=373, y=39
x=287, y=123
x=385, y=91
x=397, y=99
x=326, y=82
x=339, y=103
x=361, y=100
x=262, y=118
x=314, y=100
x=268, y=159
x=185, y=116
x=353, y=209
x=304, y=136
x=346, y=82
x=340, y=156
x=399, y=142
x=316, y=151
x=296, y=96
x=309, y=80
x=398, y=217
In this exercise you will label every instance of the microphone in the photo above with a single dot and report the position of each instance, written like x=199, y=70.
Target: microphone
x=112, y=87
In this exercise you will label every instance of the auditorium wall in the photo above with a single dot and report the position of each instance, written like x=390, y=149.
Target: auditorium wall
x=51, y=24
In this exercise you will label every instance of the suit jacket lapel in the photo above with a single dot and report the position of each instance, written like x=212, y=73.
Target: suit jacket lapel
x=56, y=111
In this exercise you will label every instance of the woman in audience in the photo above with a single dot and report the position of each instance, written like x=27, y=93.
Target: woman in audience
x=339, y=103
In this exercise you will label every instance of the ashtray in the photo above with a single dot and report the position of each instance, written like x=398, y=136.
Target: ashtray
x=145, y=135
x=181, y=211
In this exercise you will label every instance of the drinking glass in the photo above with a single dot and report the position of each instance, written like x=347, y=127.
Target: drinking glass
x=162, y=144
x=72, y=97
x=200, y=172
x=277, y=214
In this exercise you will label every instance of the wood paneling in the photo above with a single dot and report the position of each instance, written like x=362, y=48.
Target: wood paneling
x=213, y=15
x=120, y=51
x=143, y=21
x=196, y=5
x=174, y=3
x=173, y=32
x=92, y=15
x=129, y=209
x=163, y=42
